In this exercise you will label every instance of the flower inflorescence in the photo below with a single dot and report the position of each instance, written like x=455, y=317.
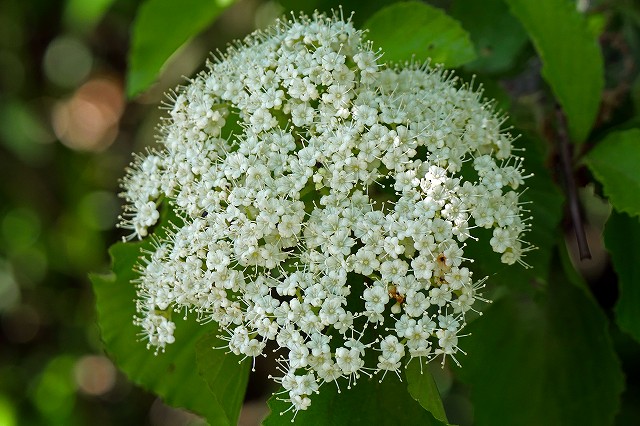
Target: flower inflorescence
x=326, y=201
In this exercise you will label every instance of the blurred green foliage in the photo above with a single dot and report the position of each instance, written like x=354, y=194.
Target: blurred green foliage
x=67, y=132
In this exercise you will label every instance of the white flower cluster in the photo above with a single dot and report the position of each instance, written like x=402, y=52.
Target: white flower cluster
x=326, y=202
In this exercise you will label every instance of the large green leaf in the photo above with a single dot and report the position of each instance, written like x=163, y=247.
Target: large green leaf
x=622, y=239
x=411, y=30
x=498, y=36
x=543, y=360
x=422, y=387
x=571, y=58
x=173, y=375
x=160, y=28
x=367, y=403
x=614, y=162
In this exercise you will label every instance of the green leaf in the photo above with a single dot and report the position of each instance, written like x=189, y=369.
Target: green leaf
x=622, y=239
x=409, y=30
x=160, y=28
x=226, y=378
x=614, y=162
x=543, y=360
x=423, y=389
x=367, y=403
x=571, y=58
x=172, y=375
x=498, y=36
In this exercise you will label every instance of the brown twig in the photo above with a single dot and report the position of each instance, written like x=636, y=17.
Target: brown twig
x=566, y=167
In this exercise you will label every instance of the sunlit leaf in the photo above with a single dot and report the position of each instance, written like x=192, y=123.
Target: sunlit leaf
x=571, y=58
x=543, y=360
x=415, y=30
x=622, y=239
x=614, y=162
x=160, y=28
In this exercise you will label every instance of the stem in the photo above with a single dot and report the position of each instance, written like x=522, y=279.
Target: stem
x=566, y=168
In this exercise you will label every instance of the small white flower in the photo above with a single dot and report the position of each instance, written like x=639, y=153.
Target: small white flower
x=349, y=360
x=322, y=194
x=376, y=298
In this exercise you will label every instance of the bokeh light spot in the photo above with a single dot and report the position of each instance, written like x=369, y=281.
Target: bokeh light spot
x=67, y=61
x=20, y=229
x=95, y=374
x=89, y=120
x=55, y=391
x=7, y=412
x=22, y=130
